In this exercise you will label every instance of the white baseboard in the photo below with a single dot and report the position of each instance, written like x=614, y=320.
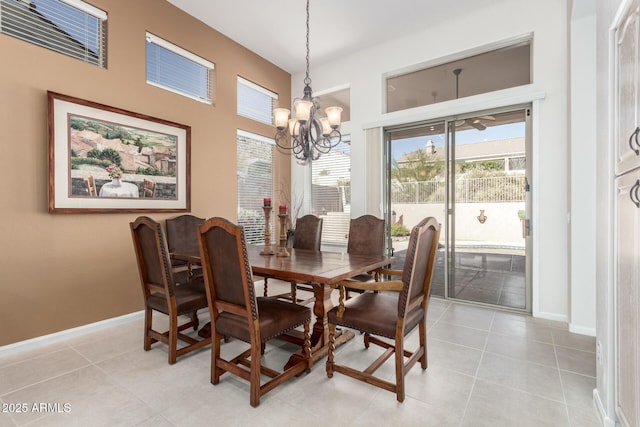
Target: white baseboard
x=44, y=340
x=604, y=418
x=582, y=330
x=551, y=316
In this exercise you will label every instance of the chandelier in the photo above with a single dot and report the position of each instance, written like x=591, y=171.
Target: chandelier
x=310, y=134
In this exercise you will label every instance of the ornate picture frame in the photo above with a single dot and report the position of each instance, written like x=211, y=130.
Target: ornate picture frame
x=106, y=159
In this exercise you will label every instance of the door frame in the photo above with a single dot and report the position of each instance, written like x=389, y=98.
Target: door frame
x=448, y=227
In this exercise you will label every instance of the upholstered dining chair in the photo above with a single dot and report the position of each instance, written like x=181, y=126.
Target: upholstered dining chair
x=236, y=312
x=399, y=307
x=161, y=293
x=307, y=235
x=182, y=237
x=90, y=183
x=366, y=237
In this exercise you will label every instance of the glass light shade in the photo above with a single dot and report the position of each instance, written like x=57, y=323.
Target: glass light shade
x=326, y=128
x=303, y=110
x=334, y=116
x=293, y=129
x=280, y=117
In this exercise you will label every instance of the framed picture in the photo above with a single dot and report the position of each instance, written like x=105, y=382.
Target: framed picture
x=105, y=159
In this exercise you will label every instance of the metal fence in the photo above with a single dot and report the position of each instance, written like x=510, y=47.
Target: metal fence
x=492, y=189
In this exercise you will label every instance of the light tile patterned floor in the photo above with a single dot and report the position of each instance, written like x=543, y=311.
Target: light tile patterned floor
x=486, y=368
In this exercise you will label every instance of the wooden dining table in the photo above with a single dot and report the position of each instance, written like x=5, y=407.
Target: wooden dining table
x=320, y=269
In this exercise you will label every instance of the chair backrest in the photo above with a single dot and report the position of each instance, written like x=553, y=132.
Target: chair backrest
x=90, y=183
x=419, y=263
x=148, y=188
x=182, y=233
x=152, y=255
x=226, y=267
x=366, y=236
x=308, y=233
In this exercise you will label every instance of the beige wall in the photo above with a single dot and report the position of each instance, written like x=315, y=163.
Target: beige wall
x=66, y=270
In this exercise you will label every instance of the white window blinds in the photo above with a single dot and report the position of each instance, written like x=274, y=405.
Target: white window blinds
x=177, y=70
x=255, y=102
x=255, y=182
x=71, y=27
x=331, y=192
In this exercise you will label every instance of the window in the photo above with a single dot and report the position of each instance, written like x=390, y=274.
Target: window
x=71, y=27
x=255, y=182
x=497, y=69
x=255, y=102
x=172, y=68
x=337, y=98
x=331, y=192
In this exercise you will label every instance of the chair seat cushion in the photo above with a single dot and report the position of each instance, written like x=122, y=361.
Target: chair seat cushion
x=275, y=318
x=375, y=313
x=189, y=298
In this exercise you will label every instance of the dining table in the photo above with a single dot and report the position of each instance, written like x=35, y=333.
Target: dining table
x=322, y=270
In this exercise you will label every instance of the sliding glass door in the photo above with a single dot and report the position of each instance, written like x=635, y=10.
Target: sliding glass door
x=471, y=174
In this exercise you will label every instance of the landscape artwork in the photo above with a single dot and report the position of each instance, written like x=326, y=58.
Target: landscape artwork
x=104, y=159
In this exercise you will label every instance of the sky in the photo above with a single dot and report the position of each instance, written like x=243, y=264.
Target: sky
x=408, y=145
x=62, y=14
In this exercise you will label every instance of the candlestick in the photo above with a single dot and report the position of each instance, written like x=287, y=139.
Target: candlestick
x=282, y=248
x=268, y=250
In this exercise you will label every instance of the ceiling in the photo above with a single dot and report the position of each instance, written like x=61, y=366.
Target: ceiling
x=275, y=29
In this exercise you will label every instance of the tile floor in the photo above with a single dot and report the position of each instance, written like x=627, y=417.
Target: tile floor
x=486, y=368
x=483, y=276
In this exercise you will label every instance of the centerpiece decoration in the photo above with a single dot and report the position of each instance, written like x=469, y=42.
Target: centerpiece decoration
x=115, y=173
x=268, y=250
x=283, y=215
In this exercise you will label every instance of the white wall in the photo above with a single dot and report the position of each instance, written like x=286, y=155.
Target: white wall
x=604, y=395
x=502, y=20
x=583, y=162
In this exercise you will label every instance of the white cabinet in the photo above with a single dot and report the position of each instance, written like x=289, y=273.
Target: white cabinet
x=627, y=313
x=627, y=109
x=627, y=233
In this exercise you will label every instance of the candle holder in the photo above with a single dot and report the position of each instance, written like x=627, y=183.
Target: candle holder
x=268, y=250
x=282, y=248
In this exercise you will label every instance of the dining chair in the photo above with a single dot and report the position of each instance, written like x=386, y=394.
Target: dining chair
x=182, y=237
x=148, y=189
x=366, y=237
x=391, y=314
x=90, y=183
x=161, y=292
x=307, y=235
x=237, y=312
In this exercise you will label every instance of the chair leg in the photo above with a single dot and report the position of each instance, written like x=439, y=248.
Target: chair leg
x=294, y=289
x=195, y=320
x=332, y=347
x=367, y=341
x=265, y=287
x=306, y=346
x=399, y=356
x=173, y=339
x=148, y=324
x=254, y=377
x=422, y=330
x=215, y=355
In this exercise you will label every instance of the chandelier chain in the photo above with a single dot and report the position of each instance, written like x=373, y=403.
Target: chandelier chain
x=307, y=80
x=308, y=135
